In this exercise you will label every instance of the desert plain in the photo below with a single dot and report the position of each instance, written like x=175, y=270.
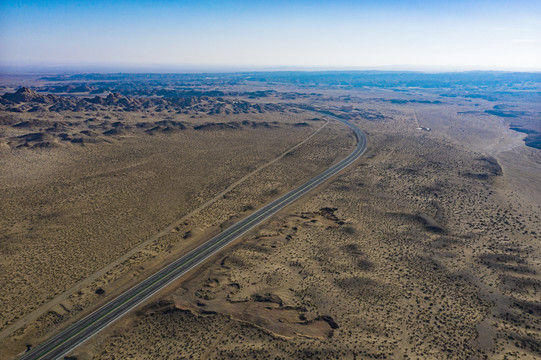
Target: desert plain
x=425, y=248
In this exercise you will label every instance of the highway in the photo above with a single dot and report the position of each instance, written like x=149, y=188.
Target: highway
x=76, y=334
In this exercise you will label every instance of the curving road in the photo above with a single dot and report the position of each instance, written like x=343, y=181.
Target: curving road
x=82, y=330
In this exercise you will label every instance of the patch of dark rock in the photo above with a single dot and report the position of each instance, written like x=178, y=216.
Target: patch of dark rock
x=208, y=312
x=230, y=261
x=36, y=108
x=14, y=109
x=268, y=298
x=234, y=286
x=113, y=132
x=328, y=212
x=218, y=126
x=173, y=310
x=45, y=144
x=164, y=126
x=32, y=124
x=88, y=133
x=38, y=136
x=154, y=130
x=120, y=125
x=160, y=304
x=329, y=320
x=64, y=137
x=262, y=124
x=8, y=120
x=170, y=123
x=491, y=165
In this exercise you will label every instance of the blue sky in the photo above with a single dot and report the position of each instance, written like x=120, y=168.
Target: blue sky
x=472, y=34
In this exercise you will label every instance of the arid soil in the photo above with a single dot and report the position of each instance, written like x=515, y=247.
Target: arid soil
x=428, y=247
x=419, y=251
x=73, y=209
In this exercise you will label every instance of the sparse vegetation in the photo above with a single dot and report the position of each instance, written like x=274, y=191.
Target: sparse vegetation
x=426, y=248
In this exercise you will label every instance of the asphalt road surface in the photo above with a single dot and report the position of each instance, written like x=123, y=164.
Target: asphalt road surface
x=76, y=334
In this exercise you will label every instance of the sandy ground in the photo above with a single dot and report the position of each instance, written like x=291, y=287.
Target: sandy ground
x=424, y=249
x=171, y=192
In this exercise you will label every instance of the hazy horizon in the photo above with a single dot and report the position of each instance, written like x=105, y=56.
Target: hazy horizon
x=216, y=36
x=165, y=69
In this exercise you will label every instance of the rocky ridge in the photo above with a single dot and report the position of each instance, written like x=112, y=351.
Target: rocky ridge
x=27, y=100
